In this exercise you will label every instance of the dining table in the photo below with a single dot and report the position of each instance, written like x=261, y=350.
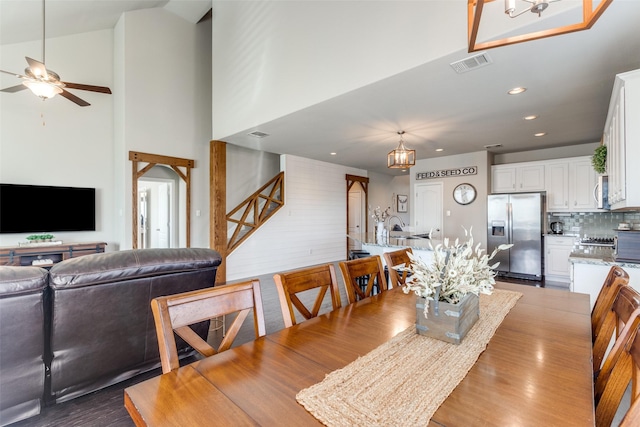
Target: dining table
x=535, y=370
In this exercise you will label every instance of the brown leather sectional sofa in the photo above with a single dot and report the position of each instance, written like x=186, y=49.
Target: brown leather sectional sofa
x=87, y=323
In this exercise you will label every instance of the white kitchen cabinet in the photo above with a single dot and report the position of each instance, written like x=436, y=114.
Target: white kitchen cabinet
x=588, y=278
x=582, y=183
x=556, y=260
x=517, y=177
x=570, y=185
x=622, y=138
x=557, y=186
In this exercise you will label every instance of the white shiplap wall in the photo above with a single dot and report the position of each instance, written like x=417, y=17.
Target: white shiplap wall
x=309, y=229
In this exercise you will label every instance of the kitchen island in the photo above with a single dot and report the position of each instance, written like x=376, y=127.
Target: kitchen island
x=589, y=268
x=420, y=246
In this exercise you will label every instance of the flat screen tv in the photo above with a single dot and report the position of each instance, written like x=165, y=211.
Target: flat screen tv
x=38, y=208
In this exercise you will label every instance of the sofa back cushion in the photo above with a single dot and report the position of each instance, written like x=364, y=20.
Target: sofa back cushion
x=22, y=368
x=102, y=328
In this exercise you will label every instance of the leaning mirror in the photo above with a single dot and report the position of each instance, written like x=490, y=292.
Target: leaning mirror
x=161, y=201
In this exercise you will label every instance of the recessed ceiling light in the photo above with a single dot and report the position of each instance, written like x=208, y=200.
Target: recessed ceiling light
x=531, y=117
x=517, y=90
x=439, y=149
x=540, y=134
x=333, y=154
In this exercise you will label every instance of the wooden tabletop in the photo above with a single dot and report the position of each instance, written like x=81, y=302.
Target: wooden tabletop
x=535, y=371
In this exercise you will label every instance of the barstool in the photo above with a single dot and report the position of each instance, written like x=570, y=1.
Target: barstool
x=360, y=253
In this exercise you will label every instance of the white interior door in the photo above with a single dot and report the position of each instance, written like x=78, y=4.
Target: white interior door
x=356, y=220
x=143, y=231
x=428, y=209
x=164, y=215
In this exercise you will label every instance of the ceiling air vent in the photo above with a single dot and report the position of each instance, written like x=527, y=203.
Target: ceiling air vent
x=258, y=134
x=490, y=146
x=471, y=63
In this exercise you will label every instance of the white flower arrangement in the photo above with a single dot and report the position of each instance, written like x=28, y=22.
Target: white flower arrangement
x=379, y=215
x=456, y=271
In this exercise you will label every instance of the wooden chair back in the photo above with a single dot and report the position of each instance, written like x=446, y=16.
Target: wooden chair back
x=632, y=417
x=617, y=277
x=174, y=313
x=361, y=275
x=393, y=259
x=621, y=312
x=621, y=366
x=292, y=283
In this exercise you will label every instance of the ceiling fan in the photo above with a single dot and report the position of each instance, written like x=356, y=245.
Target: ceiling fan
x=46, y=83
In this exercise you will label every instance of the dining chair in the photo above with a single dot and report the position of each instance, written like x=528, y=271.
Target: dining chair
x=632, y=416
x=394, y=259
x=362, y=276
x=174, y=313
x=623, y=367
x=625, y=316
x=291, y=286
x=617, y=277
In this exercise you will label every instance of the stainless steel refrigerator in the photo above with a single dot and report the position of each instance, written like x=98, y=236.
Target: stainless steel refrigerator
x=517, y=218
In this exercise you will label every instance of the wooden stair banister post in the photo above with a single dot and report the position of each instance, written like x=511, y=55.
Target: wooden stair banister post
x=218, y=204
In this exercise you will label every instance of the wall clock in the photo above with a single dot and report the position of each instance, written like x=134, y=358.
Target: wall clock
x=464, y=194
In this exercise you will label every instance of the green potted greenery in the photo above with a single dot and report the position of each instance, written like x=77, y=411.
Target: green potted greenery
x=599, y=159
x=34, y=238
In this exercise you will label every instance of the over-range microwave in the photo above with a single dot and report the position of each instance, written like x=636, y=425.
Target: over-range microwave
x=601, y=192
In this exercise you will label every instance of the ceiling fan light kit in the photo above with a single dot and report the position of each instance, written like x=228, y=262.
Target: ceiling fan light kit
x=42, y=89
x=46, y=83
x=401, y=157
x=474, y=16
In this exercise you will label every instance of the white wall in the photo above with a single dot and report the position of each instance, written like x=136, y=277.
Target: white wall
x=546, y=154
x=248, y=170
x=467, y=216
x=159, y=69
x=56, y=142
x=309, y=229
x=383, y=190
x=272, y=58
x=165, y=103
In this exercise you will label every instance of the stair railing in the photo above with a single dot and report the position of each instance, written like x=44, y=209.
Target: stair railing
x=254, y=211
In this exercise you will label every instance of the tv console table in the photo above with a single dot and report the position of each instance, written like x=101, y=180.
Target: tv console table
x=47, y=255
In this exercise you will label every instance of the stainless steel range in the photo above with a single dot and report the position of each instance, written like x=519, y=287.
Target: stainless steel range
x=597, y=241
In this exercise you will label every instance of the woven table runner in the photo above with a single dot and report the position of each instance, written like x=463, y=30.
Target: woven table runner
x=405, y=380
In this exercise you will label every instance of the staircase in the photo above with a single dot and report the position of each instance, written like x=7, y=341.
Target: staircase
x=254, y=211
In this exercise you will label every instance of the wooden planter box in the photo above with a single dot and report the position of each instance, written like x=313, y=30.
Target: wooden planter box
x=450, y=322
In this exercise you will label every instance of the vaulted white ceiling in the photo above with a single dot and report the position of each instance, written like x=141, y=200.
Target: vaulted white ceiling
x=569, y=80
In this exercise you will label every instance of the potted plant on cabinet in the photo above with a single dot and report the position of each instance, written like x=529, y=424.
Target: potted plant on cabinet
x=599, y=159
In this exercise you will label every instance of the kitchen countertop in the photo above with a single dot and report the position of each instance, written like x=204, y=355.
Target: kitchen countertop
x=396, y=240
x=597, y=255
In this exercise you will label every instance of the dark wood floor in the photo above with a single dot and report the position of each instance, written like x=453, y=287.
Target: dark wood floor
x=106, y=407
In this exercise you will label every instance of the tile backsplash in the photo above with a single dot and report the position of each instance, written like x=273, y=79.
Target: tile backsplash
x=594, y=224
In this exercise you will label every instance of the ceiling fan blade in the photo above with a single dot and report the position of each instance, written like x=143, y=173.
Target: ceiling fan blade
x=13, y=89
x=20, y=76
x=73, y=98
x=101, y=89
x=37, y=67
